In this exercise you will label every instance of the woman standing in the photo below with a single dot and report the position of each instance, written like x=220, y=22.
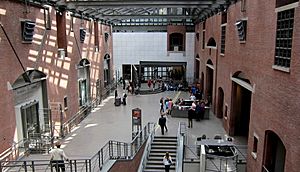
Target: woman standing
x=167, y=162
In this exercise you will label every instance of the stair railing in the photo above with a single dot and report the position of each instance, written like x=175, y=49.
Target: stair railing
x=147, y=150
x=115, y=150
x=112, y=150
x=180, y=146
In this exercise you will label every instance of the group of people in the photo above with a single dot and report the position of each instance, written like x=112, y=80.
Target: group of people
x=196, y=111
x=129, y=86
x=166, y=105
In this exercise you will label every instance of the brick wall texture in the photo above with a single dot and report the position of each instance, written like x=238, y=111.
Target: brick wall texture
x=275, y=102
x=62, y=75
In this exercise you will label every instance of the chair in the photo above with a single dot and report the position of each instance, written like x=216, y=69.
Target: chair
x=218, y=137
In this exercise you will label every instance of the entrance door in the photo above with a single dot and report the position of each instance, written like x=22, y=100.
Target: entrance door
x=30, y=121
x=220, y=103
x=241, y=109
x=82, y=92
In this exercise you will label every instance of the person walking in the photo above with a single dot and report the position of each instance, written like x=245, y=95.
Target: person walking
x=197, y=111
x=124, y=83
x=162, y=123
x=167, y=160
x=57, y=158
x=124, y=98
x=116, y=93
x=161, y=103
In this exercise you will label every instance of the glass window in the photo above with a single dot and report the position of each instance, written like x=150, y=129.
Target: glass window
x=284, y=36
x=223, y=33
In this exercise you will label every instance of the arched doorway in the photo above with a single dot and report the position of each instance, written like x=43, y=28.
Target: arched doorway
x=31, y=107
x=274, y=153
x=220, y=103
x=241, y=105
x=84, y=82
x=209, y=80
x=197, y=68
x=106, y=68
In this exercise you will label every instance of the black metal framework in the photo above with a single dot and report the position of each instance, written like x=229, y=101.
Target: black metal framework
x=284, y=37
x=223, y=38
x=161, y=12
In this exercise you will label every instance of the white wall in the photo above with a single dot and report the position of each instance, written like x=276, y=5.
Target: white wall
x=130, y=48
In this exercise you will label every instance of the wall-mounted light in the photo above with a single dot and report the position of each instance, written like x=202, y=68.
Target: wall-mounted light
x=61, y=53
x=96, y=49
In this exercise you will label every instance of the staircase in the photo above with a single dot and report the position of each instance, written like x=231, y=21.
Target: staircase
x=159, y=146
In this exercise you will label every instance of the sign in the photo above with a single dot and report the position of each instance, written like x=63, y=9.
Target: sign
x=136, y=116
x=136, y=122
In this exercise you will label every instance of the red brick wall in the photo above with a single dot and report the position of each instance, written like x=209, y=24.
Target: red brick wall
x=276, y=96
x=61, y=74
x=176, y=29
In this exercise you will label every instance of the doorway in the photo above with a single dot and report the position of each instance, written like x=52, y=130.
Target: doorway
x=220, y=103
x=274, y=155
x=241, y=105
x=30, y=121
x=106, y=67
x=209, y=81
x=197, y=69
x=82, y=92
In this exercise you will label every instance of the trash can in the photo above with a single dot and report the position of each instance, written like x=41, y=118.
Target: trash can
x=206, y=114
x=117, y=101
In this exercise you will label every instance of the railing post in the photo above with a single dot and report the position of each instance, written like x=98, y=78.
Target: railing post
x=86, y=165
x=32, y=166
x=25, y=166
x=90, y=165
x=99, y=161
x=51, y=166
x=102, y=155
x=70, y=163
x=75, y=165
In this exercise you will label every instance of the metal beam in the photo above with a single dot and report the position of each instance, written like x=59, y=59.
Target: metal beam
x=143, y=4
x=124, y=17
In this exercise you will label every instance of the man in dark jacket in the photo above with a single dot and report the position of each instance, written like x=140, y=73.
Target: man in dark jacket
x=191, y=115
x=162, y=123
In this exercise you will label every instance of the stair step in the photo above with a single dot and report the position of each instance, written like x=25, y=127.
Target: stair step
x=159, y=167
x=165, y=137
x=163, y=151
x=156, y=162
x=154, y=158
x=161, y=155
x=157, y=146
x=156, y=170
x=164, y=143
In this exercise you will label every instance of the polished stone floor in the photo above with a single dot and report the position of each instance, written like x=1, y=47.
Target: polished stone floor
x=110, y=122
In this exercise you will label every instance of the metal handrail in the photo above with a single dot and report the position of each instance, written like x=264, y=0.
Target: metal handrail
x=180, y=146
x=264, y=169
x=223, y=161
x=11, y=152
x=45, y=165
x=112, y=150
x=147, y=150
